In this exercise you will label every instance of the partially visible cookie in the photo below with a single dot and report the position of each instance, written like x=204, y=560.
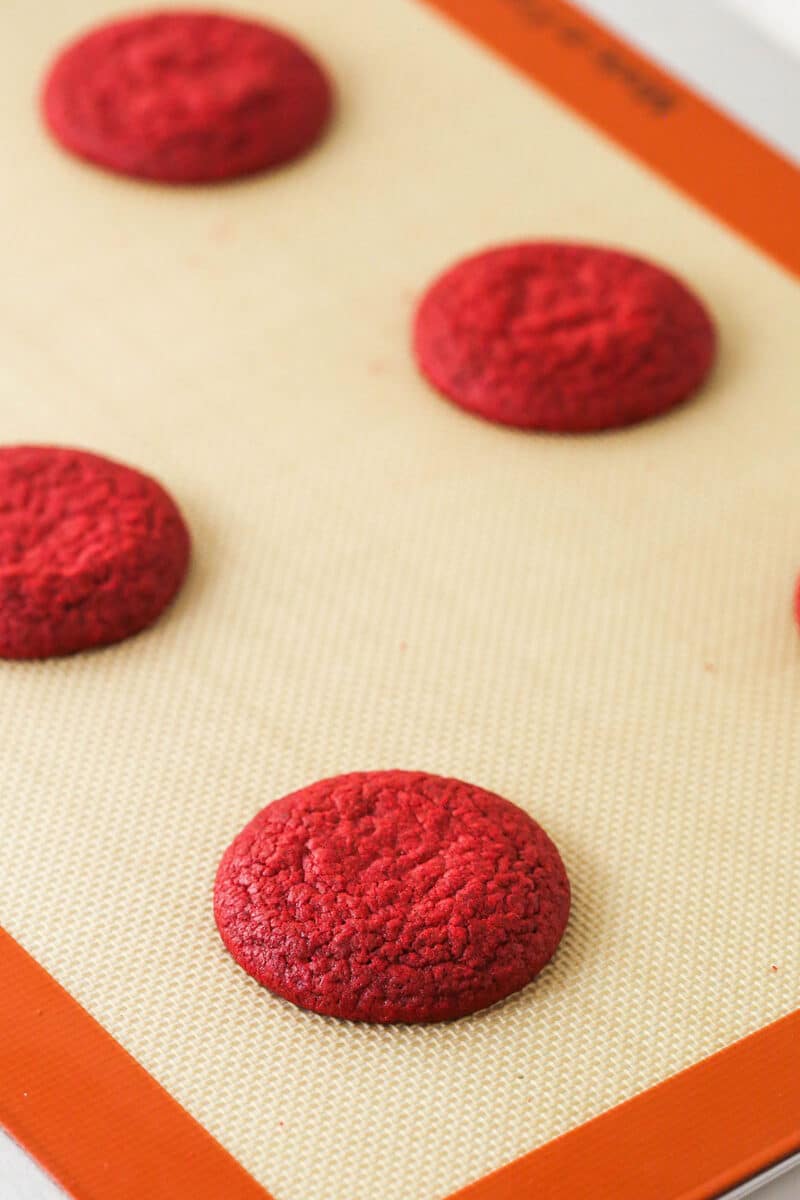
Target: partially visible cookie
x=567, y=338
x=186, y=97
x=91, y=551
x=392, y=896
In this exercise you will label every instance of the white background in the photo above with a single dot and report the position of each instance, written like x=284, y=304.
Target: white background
x=741, y=54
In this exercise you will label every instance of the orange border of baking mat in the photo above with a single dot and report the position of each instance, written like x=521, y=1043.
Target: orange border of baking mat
x=106, y=1130
x=88, y=1112
x=729, y=171
x=692, y=1137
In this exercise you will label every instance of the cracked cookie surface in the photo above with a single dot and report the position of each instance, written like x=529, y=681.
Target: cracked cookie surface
x=186, y=97
x=392, y=896
x=91, y=551
x=565, y=338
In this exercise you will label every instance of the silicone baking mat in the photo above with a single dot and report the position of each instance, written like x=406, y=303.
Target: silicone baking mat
x=598, y=628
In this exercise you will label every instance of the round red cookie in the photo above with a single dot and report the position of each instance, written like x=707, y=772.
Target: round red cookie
x=186, y=97
x=392, y=896
x=567, y=338
x=90, y=551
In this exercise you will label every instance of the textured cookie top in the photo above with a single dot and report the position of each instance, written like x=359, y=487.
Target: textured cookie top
x=567, y=338
x=186, y=97
x=392, y=896
x=91, y=551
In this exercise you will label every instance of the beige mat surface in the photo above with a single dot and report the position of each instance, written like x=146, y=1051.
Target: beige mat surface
x=598, y=628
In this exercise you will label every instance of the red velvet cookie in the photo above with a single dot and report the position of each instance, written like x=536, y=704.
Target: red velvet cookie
x=90, y=551
x=186, y=97
x=392, y=896
x=567, y=338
